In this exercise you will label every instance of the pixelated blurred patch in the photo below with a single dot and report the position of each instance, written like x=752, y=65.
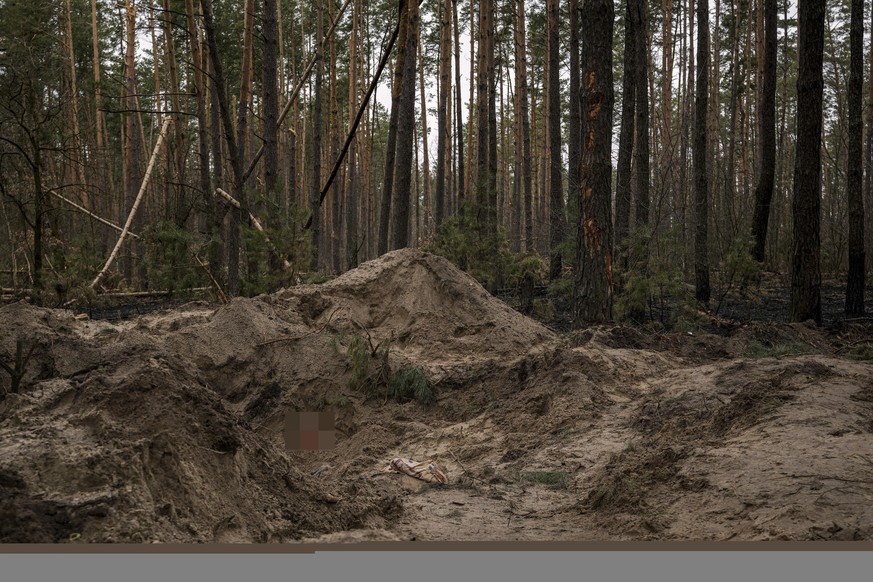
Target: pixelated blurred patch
x=310, y=431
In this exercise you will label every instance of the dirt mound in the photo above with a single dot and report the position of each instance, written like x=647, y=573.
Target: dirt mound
x=427, y=307
x=693, y=346
x=168, y=426
x=779, y=339
x=126, y=441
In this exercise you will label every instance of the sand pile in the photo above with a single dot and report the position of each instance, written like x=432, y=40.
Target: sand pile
x=167, y=427
x=432, y=309
x=117, y=438
x=163, y=427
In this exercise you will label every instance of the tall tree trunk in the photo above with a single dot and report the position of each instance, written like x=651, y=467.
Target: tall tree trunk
x=237, y=214
x=482, y=100
x=36, y=168
x=271, y=98
x=391, y=145
x=353, y=195
x=334, y=232
x=203, y=171
x=701, y=175
x=556, y=192
x=98, y=95
x=470, y=177
x=868, y=189
x=806, y=207
x=236, y=161
x=424, y=224
x=626, y=136
x=667, y=155
x=77, y=174
x=524, y=113
x=405, y=131
x=687, y=116
x=315, y=186
x=132, y=129
x=459, y=110
x=714, y=145
x=574, y=119
x=855, y=283
x=443, y=144
x=593, y=283
x=492, y=217
x=219, y=250
x=643, y=176
x=730, y=175
x=767, y=137
x=181, y=206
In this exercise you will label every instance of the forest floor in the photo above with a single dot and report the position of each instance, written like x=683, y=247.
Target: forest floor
x=168, y=426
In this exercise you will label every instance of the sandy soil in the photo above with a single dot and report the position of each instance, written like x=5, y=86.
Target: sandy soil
x=168, y=427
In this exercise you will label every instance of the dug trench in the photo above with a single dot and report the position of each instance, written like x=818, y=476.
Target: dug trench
x=168, y=427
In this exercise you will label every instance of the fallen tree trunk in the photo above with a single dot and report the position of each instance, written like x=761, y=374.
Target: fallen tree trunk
x=142, y=188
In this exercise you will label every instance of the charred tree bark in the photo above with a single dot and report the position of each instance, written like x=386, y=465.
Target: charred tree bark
x=806, y=207
x=641, y=87
x=855, y=283
x=594, y=282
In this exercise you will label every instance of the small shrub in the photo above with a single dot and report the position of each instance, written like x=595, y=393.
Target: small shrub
x=16, y=366
x=756, y=349
x=370, y=369
x=543, y=310
x=169, y=257
x=863, y=352
x=411, y=383
x=551, y=479
x=653, y=286
x=738, y=272
x=469, y=243
x=529, y=270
